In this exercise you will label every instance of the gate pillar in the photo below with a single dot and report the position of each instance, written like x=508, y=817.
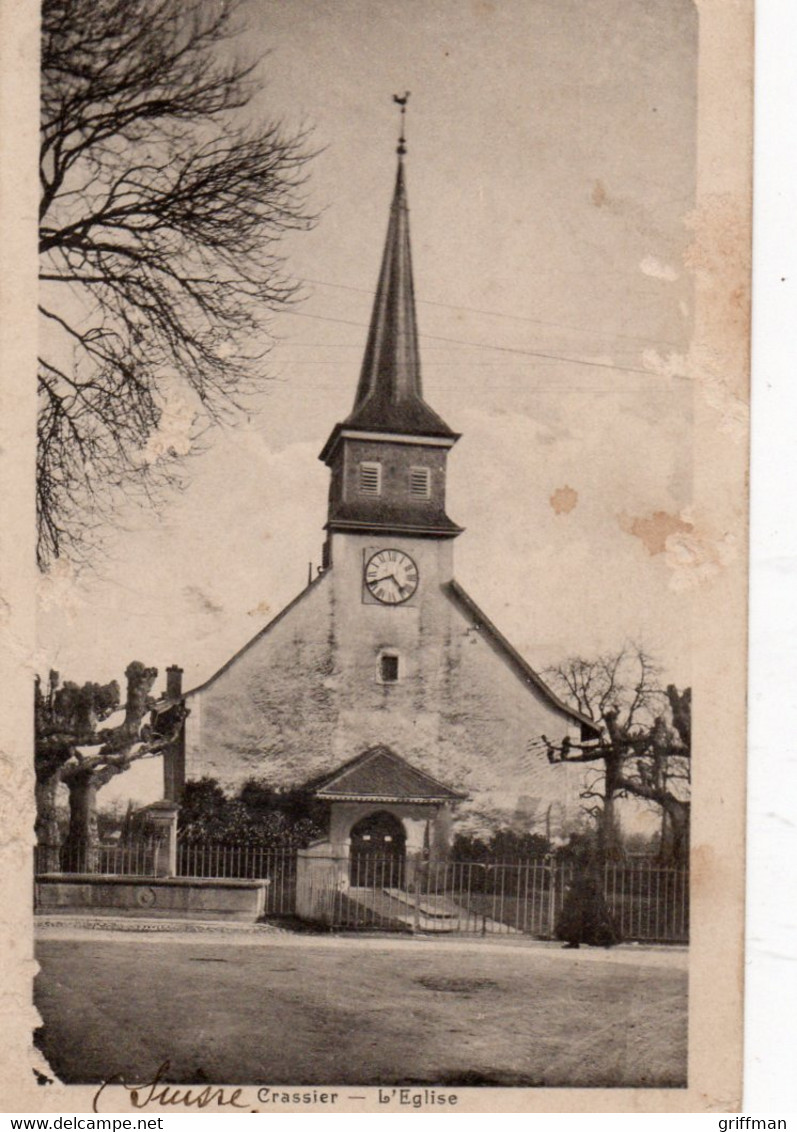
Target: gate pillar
x=163, y=816
x=416, y=828
x=322, y=872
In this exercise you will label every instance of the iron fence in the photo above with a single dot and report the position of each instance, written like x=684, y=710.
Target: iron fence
x=497, y=897
x=648, y=902
x=222, y=860
x=130, y=858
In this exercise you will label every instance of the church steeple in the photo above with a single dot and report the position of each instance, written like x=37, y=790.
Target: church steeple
x=389, y=393
x=388, y=456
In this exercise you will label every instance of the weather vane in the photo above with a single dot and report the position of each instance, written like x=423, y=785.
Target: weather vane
x=402, y=101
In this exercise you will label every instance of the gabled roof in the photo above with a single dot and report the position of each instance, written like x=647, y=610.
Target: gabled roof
x=456, y=593
x=380, y=775
x=521, y=666
x=317, y=581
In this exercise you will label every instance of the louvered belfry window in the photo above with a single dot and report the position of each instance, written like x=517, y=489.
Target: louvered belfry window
x=370, y=479
x=420, y=483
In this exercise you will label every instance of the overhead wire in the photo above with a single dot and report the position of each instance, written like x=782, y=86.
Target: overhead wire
x=498, y=314
x=515, y=350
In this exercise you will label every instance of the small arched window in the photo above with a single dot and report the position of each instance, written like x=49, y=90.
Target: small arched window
x=388, y=669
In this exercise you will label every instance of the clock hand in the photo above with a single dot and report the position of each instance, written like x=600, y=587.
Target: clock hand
x=388, y=576
x=390, y=572
x=400, y=586
x=392, y=577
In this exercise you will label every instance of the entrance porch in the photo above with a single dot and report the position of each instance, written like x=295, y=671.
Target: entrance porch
x=388, y=821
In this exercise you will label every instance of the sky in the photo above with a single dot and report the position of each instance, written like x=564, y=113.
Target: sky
x=550, y=173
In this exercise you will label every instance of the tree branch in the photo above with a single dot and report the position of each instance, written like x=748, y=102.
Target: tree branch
x=161, y=218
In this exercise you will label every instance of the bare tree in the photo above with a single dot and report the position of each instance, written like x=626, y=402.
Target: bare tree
x=645, y=747
x=71, y=748
x=160, y=221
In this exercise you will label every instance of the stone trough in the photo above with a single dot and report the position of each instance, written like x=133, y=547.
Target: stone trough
x=190, y=898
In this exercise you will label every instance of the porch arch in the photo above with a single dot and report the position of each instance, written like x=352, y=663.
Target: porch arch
x=378, y=850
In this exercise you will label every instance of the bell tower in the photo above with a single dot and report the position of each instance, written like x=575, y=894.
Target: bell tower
x=382, y=680
x=388, y=457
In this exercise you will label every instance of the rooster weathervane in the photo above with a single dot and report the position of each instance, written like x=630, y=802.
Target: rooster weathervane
x=401, y=99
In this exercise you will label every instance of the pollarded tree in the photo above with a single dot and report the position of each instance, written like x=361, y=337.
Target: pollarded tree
x=160, y=220
x=72, y=748
x=66, y=716
x=645, y=748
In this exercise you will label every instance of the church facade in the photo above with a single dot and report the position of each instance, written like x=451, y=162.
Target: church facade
x=383, y=686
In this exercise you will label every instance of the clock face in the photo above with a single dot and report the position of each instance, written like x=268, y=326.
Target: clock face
x=391, y=576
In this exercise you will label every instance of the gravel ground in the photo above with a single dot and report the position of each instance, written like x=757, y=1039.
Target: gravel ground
x=257, y=1004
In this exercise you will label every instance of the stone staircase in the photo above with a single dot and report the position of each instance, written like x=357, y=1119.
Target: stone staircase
x=397, y=909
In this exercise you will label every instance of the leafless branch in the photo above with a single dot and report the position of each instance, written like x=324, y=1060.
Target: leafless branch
x=161, y=216
x=640, y=753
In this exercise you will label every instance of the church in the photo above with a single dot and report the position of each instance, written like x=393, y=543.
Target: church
x=382, y=689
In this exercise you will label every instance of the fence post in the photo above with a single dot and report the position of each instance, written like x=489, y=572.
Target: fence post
x=552, y=901
x=487, y=870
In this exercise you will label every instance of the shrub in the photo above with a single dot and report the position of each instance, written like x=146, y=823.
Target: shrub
x=257, y=814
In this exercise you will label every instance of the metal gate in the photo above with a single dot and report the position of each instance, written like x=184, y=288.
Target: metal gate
x=647, y=903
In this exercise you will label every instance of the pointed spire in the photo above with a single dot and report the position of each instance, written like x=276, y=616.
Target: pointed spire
x=392, y=366
x=389, y=393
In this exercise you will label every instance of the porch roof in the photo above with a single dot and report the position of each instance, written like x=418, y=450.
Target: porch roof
x=380, y=775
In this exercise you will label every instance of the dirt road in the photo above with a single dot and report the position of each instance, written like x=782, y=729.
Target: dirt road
x=292, y=1009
